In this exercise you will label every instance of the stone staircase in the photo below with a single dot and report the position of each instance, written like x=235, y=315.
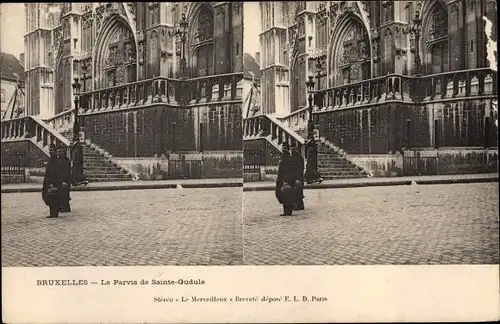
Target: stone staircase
x=331, y=165
x=98, y=167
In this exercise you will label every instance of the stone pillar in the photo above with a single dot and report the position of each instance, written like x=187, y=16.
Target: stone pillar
x=221, y=26
x=456, y=36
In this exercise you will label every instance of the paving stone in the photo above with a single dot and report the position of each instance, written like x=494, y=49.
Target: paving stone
x=133, y=227
x=422, y=224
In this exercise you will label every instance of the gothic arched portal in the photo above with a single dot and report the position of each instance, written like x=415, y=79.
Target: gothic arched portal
x=201, y=41
x=435, y=38
x=116, y=55
x=350, y=59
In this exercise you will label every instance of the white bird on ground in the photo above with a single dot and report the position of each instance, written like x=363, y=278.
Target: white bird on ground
x=413, y=182
x=179, y=186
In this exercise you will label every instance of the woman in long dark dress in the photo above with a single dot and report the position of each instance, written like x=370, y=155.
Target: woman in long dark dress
x=285, y=182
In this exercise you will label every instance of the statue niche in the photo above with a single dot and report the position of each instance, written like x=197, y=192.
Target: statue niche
x=120, y=59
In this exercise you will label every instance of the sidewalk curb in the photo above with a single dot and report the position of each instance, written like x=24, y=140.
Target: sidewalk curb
x=134, y=187
x=452, y=181
x=380, y=184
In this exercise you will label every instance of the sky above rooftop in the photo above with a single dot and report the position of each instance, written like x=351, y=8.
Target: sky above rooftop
x=12, y=28
x=251, y=27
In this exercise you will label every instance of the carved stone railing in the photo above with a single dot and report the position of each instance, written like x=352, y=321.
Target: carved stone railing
x=266, y=126
x=424, y=89
x=297, y=120
x=459, y=84
x=33, y=129
x=221, y=87
x=61, y=121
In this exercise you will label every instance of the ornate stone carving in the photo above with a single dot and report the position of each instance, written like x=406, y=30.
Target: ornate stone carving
x=132, y=9
x=99, y=19
x=66, y=32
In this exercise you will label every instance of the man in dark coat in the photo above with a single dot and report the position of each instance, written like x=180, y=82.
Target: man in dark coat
x=45, y=188
x=64, y=170
x=298, y=166
x=285, y=182
x=56, y=182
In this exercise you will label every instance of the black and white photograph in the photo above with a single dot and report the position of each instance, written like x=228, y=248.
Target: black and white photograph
x=121, y=133
x=370, y=133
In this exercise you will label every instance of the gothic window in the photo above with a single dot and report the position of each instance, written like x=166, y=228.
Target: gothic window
x=118, y=52
x=321, y=27
x=351, y=60
x=436, y=36
x=202, y=42
x=298, y=84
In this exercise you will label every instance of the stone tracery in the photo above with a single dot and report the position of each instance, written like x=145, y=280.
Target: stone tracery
x=201, y=41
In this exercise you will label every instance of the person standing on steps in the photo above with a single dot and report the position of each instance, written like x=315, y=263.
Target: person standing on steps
x=285, y=182
x=298, y=166
x=64, y=170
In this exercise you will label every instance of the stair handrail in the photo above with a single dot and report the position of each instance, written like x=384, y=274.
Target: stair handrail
x=61, y=114
x=61, y=138
x=287, y=129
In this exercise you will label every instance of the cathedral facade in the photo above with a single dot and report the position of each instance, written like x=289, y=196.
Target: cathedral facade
x=388, y=75
x=146, y=69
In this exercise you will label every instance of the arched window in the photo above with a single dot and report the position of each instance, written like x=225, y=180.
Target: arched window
x=202, y=38
x=298, y=84
x=436, y=40
x=351, y=59
x=117, y=56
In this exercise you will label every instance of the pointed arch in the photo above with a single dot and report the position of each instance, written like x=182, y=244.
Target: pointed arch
x=114, y=26
x=350, y=51
x=200, y=41
x=434, y=40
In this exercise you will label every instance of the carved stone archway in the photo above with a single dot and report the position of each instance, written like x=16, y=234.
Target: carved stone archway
x=116, y=20
x=347, y=23
x=200, y=43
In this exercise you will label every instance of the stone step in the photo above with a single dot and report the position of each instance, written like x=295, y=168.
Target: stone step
x=342, y=173
x=106, y=176
x=92, y=172
x=326, y=170
x=107, y=179
x=343, y=176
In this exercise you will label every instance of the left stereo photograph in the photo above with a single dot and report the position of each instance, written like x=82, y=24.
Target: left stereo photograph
x=122, y=134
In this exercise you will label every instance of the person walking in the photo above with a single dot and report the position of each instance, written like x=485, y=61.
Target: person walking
x=77, y=173
x=298, y=166
x=64, y=171
x=285, y=181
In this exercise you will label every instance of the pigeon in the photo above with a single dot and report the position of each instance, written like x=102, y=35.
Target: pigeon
x=179, y=186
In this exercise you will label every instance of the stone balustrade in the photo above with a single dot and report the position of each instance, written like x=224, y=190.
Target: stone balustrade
x=264, y=125
x=62, y=121
x=26, y=128
x=297, y=120
x=222, y=87
x=410, y=89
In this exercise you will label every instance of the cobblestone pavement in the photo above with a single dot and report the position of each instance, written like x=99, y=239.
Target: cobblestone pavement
x=125, y=228
x=416, y=224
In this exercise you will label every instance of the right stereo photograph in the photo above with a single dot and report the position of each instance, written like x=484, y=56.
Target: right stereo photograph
x=370, y=133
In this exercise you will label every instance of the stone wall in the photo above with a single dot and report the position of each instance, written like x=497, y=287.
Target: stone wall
x=36, y=158
x=385, y=129
x=160, y=129
x=428, y=162
x=197, y=165
x=379, y=165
